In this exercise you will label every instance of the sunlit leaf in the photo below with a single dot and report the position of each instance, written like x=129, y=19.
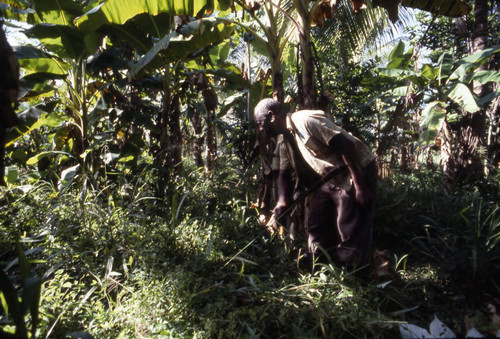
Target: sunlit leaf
x=11, y=174
x=445, y=65
x=126, y=158
x=438, y=329
x=119, y=11
x=471, y=62
x=480, y=57
x=398, y=63
x=401, y=91
x=60, y=12
x=64, y=41
x=43, y=65
x=15, y=10
x=463, y=96
x=67, y=177
x=429, y=72
x=195, y=35
x=36, y=121
x=433, y=114
x=483, y=77
x=35, y=159
x=398, y=51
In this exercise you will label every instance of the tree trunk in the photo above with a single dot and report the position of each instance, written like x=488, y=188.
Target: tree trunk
x=211, y=153
x=277, y=79
x=308, y=84
x=198, y=139
x=163, y=143
x=162, y=136
x=174, y=152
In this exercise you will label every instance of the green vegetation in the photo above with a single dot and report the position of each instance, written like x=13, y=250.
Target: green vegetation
x=135, y=189
x=122, y=263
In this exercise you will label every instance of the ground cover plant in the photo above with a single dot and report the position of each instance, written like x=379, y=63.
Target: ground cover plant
x=134, y=184
x=121, y=263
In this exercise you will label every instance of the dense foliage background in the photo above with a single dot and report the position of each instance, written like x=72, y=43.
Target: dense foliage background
x=136, y=190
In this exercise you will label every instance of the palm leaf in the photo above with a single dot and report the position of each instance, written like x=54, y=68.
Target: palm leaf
x=346, y=38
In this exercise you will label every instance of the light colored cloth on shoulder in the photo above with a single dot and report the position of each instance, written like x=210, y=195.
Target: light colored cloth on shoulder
x=313, y=130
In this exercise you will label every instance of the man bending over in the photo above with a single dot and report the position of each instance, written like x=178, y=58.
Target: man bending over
x=310, y=144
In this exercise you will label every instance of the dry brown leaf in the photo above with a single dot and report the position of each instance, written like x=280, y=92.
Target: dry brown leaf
x=358, y=5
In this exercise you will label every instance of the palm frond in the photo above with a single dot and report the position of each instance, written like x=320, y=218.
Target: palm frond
x=349, y=37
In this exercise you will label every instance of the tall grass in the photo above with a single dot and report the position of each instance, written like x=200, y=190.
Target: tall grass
x=123, y=263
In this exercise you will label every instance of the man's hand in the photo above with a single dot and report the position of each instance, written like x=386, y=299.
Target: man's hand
x=363, y=196
x=279, y=209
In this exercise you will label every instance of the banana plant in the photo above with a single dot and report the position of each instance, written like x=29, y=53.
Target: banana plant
x=71, y=34
x=187, y=32
x=55, y=77
x=444, y=85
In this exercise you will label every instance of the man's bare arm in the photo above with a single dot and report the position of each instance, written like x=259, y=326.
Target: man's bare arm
x=346, y=148
x=284, y=191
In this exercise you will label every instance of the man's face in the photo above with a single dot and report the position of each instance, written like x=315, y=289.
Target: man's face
x=266, y=123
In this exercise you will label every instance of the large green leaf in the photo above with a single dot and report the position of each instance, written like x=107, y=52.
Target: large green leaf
x=433, y=114
x=192, y=38
x=398, y=51
x=119, y=11
x=462, y=95
x=429, y=72
x=32, y=120
x=43, y=65
x=35, y=84
x=483, y=77
x=154, y=25
x=401, y=91
x=29, y=52
x=220, y=53
x=467, y=64
x=34, y=60
x=59, y=12
x=134, y=37
x=480, y=57
x=64, y=41
x=42, y=155
x=445, y=65
x=488, y=97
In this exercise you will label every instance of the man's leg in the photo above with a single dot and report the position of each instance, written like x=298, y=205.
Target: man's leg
x=321, y=220
x=355, y=224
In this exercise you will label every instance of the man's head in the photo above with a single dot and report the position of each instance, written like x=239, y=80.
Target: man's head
x=269, y=115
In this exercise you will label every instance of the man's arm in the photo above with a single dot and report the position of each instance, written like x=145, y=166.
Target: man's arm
x=346, y=148
x=284, y=191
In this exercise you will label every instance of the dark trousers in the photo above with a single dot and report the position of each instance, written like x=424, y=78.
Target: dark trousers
x=340, y=225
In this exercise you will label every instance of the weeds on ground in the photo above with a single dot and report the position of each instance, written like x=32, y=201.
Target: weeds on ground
x=121, y=262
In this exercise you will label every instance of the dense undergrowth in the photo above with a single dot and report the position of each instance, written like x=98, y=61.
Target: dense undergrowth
x=119, y=262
